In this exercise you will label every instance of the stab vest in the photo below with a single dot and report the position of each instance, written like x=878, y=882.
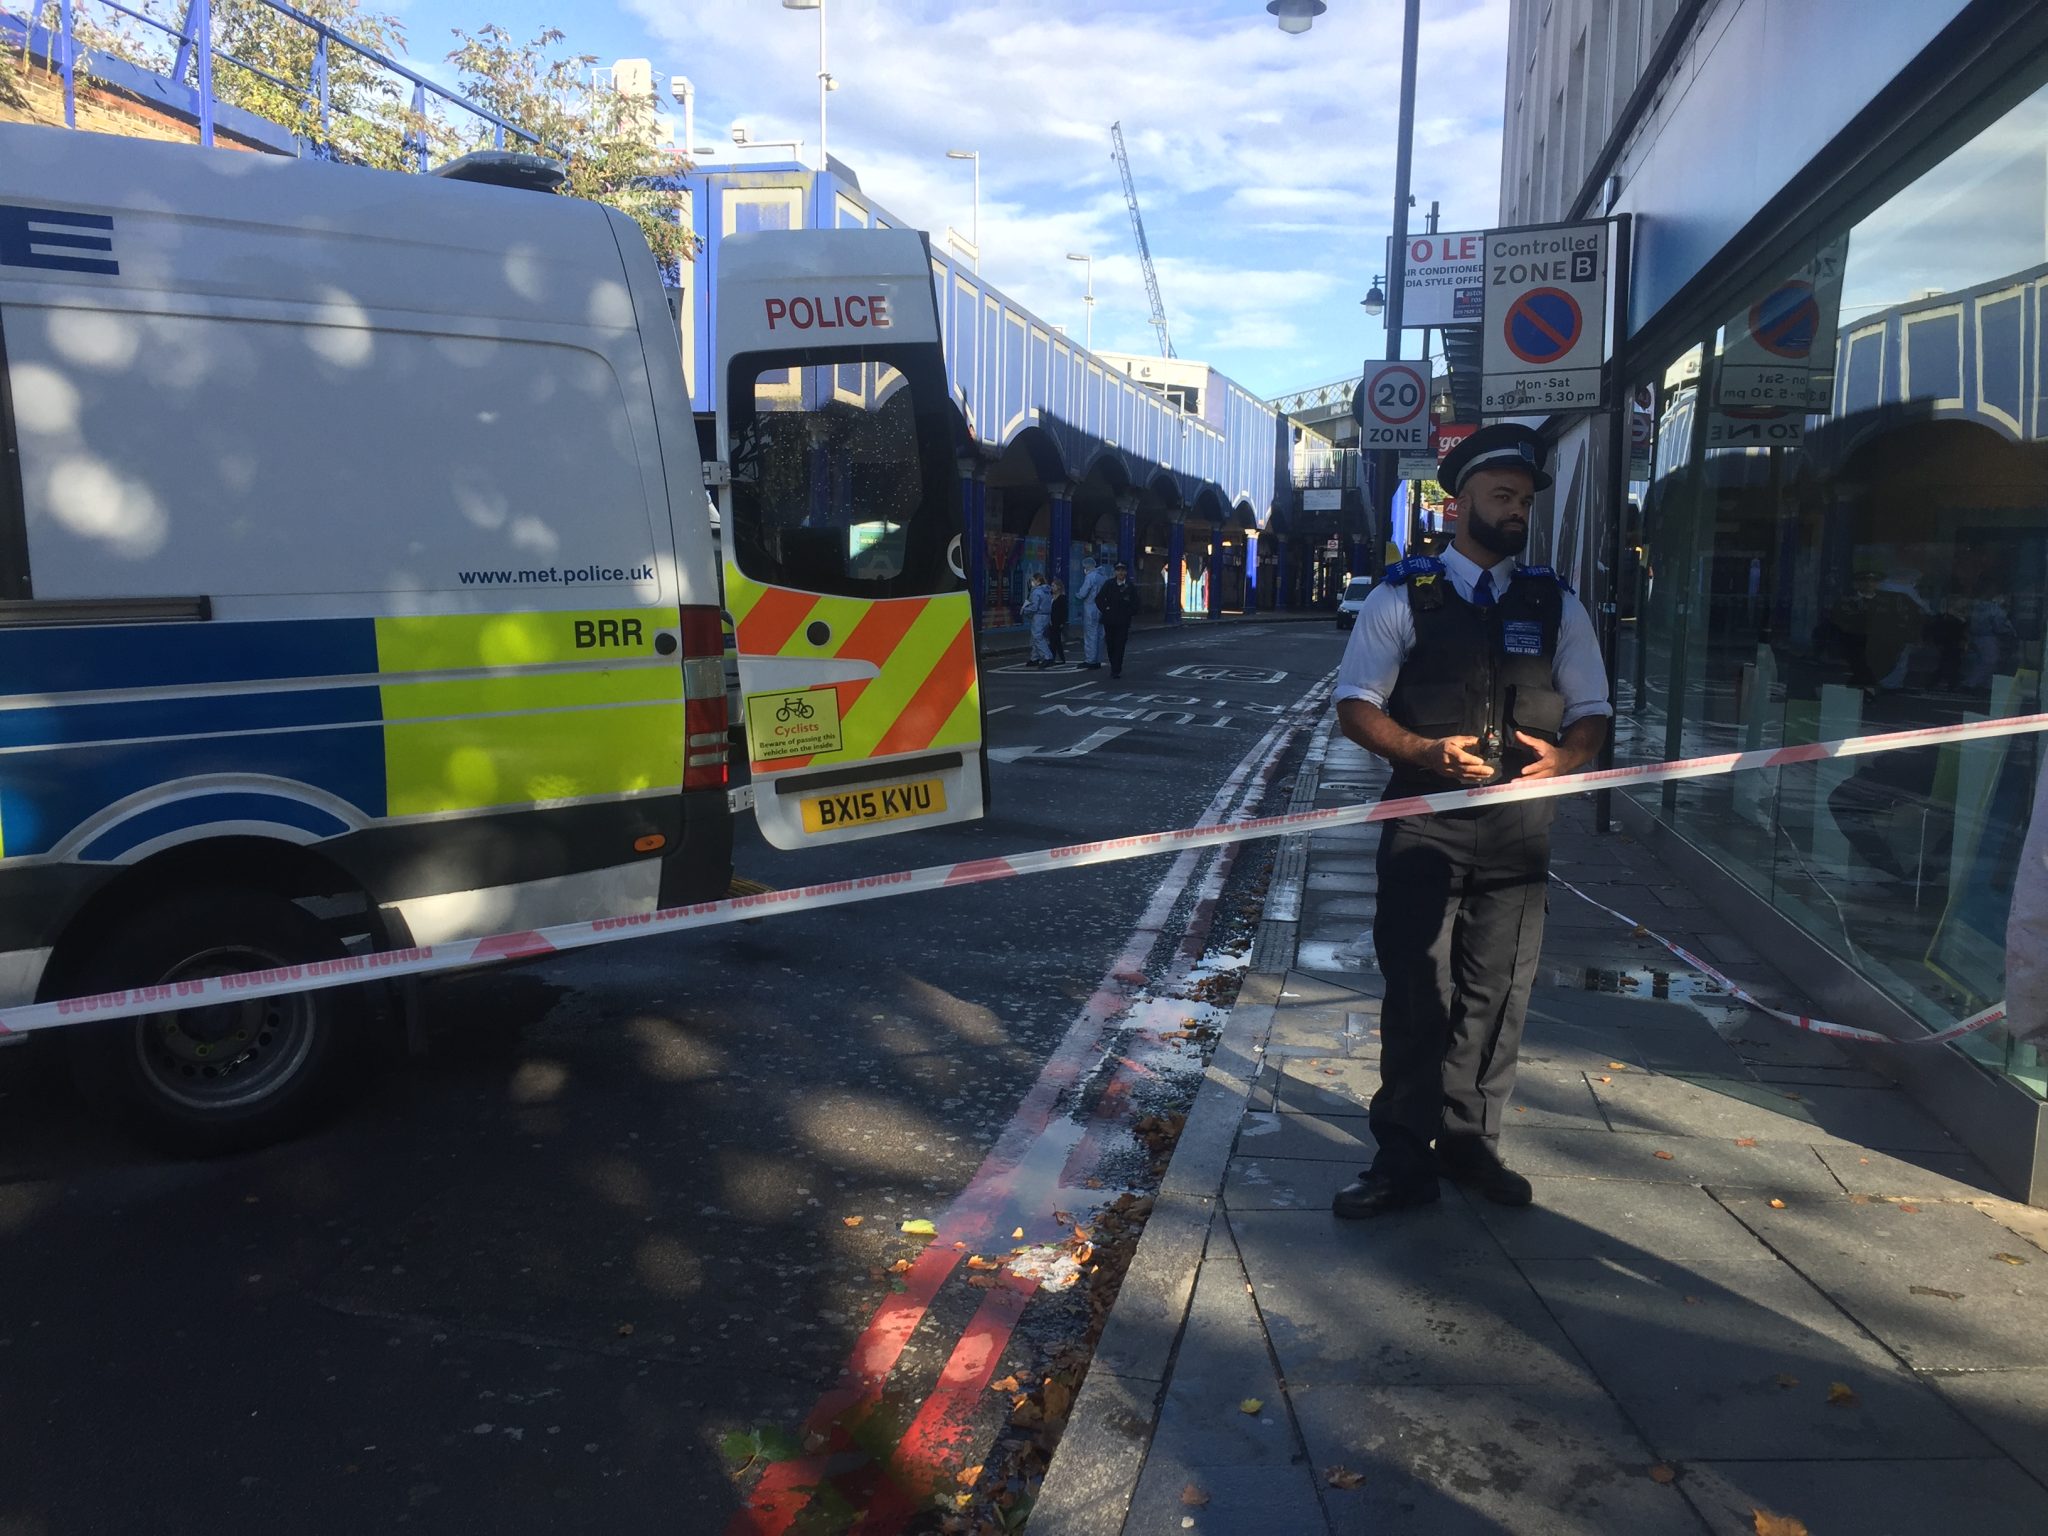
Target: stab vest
x=1477, y=670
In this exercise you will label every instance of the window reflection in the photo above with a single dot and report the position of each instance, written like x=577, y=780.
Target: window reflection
x=1845, y=531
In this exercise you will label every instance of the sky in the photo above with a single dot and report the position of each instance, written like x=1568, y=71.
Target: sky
x=1264, y=162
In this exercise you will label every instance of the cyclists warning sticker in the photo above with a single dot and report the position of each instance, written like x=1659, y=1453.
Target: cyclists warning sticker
x=802, y=722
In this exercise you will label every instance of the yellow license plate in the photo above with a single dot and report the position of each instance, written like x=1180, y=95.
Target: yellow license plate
x=865, y=807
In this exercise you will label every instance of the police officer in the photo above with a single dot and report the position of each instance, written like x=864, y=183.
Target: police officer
x=1465, y=670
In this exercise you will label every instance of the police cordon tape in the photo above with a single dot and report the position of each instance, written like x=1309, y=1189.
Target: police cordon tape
x=503, y=948
x=1983, y=1019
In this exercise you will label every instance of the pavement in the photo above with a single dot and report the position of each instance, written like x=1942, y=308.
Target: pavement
x=1759, y=1290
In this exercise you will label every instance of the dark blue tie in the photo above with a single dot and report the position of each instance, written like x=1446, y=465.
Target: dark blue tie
x=1482, y=591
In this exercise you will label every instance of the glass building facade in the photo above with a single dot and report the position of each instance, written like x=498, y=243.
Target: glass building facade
x=1838, y=524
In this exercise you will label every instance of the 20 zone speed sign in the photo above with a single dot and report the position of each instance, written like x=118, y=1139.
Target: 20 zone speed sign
x=1391, y=407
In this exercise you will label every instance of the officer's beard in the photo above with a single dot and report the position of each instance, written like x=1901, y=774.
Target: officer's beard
x=1496, y=539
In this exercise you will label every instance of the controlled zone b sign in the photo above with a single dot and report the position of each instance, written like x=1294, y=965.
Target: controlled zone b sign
x=1545, y=332
x=1391, y=407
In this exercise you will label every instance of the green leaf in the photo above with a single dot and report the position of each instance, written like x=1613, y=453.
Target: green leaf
x=918, y=1226
x=742, y=1447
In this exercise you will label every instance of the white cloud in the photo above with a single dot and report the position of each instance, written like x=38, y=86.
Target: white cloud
x=1264, y=163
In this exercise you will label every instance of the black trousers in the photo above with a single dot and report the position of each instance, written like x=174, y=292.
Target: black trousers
x=1116, y=636
x=1458, y=928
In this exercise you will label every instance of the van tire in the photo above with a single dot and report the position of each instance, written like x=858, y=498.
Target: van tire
x=167, y=1075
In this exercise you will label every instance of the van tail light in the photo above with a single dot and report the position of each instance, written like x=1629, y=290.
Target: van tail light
x=704, y=721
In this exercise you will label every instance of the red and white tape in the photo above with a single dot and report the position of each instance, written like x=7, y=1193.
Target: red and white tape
x=1983, y=1019
x=500, y=948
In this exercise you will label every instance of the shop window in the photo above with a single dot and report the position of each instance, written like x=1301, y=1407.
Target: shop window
x=1844, y=530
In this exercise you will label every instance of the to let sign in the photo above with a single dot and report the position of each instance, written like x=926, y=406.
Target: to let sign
x=1442, y=280
x=1545, y=329
x=1391, y=407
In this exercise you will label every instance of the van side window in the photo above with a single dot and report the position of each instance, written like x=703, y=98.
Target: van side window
x=13, y=537
x=849, y=491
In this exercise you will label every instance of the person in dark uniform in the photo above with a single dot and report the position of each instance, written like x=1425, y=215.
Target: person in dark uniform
x=1466, y=670
x=1118, y=604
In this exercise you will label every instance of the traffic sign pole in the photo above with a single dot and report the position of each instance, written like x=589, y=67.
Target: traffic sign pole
x=1618, y=450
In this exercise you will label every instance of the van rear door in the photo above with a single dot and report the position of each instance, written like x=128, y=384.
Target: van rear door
x=842, y=529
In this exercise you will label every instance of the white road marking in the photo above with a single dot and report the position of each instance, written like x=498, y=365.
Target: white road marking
x=1080, y=748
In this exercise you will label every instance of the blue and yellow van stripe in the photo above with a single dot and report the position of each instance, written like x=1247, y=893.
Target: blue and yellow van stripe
x=391, y=717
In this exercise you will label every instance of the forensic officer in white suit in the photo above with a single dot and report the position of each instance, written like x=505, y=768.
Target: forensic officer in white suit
x=1091, y=617
x=1466, y=670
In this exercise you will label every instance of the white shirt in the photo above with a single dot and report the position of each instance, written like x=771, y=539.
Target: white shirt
x=1385, y=634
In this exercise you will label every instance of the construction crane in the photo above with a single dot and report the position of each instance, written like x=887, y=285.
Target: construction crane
x=1123, y=163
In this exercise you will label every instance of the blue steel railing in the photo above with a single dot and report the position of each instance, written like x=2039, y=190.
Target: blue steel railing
x=196, y=54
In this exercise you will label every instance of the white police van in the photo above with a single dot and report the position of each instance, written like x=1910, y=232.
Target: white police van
x=356, y=588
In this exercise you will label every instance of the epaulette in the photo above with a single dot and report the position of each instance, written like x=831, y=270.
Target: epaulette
x=1419, y=565
x=1544, y=571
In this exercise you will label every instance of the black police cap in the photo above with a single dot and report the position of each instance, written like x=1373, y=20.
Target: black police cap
x=1504, y=445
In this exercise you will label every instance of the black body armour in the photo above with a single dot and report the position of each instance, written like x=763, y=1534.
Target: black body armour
x=1484, y=672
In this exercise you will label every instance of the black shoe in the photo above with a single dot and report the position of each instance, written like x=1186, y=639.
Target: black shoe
x=1475, y=1163
x=1375, y=1194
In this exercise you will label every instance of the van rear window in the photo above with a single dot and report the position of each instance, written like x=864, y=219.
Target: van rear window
x=843, y=475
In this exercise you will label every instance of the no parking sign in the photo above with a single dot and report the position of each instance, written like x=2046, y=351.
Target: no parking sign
x=1545, y=325
x=1778, y=352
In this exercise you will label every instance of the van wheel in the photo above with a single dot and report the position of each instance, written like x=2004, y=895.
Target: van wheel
x=226, y=1076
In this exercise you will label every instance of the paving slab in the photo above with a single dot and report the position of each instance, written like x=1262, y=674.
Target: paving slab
x=1347, y=1076
x=1234, y=1501
x=1593, y=1219
x=1736, y=1107
x=1336, y=956
x=1481, y=1461
x=1775, y=1166
x=1925, y=1279
x=1222, y=1365
x=1844, y=1076
x=1698, y=1355
x=1869, y=1498
x=2010, y=1408
x=1418, y=1298
x=1264, y=1183
x=1270, y=1134
x=1301, y=989
x=1138, y=1340
x=1331, y=1096
x=1548, y=1095
x=1909, y=1175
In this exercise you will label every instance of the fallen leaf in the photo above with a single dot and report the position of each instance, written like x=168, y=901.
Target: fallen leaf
x=1343, y=1477
x=1617, y=1066
x=1664, y=1156
x=1064, y=1218
x=1842, y=1395
x=1096, y=1184
x=1909, y=1208
x=1251, y=1405
x=1018, y=1233
x=1007, y=1384
x=1331, y=1072
x=1521, y=1109
x=1864, y=1161
x=917, y=1226
x=1662, y=1473
x=1059, y=1398
x=967, y=1477
x=1777, y=1205
x=1934, y=1290
x=1768, y=1524
x=1193, y=1497
x=1606, y=1079
x=1796, y=1098
x=1745, y=1141
x=2008, y=1258
x=981, y=1282
x=900, y=1267
x=1694, y=1301
x=1787, y=1382
x=852, y=1221
x=1081, y=1234
x=625, y=1330
x=976, y=1261
x=1639, y=932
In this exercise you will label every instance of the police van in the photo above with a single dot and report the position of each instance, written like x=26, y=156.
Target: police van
x=356, y=587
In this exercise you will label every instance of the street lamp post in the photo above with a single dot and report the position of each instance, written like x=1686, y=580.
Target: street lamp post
x=825, y=80
x=974, y=230
x=1397, y=263
x=1087, y=298
x=1295, y=16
